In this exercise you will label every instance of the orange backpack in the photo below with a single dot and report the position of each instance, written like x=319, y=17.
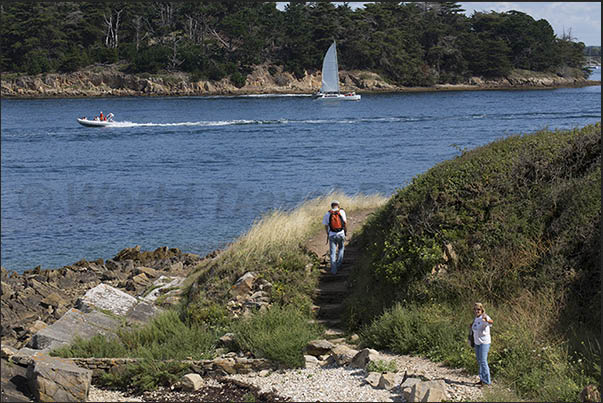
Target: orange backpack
x=336, y=222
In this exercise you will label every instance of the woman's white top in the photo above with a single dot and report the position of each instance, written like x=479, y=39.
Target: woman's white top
x=481, y=330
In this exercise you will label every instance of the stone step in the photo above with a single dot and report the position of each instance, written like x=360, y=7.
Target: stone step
x=327, y=278
x=328, y=323
x=330, y=311
x=334, y=333
x=330, y=296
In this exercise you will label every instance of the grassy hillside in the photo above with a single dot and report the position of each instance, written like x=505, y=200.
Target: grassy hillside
x=515, y=225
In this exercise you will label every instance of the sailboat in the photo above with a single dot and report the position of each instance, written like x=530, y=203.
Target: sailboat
x=330, y=79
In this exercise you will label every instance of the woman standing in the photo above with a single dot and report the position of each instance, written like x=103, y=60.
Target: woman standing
x=481, y=337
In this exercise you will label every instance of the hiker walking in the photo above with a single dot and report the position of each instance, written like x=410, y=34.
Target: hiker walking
x=481, y=337
x=335, y=225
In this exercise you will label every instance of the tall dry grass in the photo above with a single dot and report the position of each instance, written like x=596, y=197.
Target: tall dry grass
x=289, y=229
x=274, y=248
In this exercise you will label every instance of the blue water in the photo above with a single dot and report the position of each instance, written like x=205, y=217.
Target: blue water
x=195, y=172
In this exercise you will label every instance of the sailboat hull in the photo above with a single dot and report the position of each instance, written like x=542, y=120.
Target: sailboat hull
x=338, y=97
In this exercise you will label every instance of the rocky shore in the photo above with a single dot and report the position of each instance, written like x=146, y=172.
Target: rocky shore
x=37, y=298
x=109, y=80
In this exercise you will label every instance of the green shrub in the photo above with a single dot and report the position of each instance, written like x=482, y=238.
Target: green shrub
x=522, y=217
x=165, y=337
x=382, y=366
x=238, y=79
x=279, y=334
x=144, y=375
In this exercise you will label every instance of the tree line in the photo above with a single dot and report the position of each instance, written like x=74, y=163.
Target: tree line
x=412, y=44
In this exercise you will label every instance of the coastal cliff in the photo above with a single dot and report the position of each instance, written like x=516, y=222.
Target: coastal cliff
x=102, y=80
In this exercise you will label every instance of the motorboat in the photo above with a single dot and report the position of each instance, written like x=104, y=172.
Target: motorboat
x=330, y=79
x=96, y=122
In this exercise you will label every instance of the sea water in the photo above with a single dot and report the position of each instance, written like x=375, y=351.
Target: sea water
x=195, y=172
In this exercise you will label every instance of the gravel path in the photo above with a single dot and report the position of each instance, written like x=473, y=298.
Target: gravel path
x=346, y=384
x=103, y=395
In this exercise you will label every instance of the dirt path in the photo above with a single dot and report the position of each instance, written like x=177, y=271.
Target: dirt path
x=333, y=289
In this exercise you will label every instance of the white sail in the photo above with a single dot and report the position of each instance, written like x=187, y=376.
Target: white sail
x=330, y=71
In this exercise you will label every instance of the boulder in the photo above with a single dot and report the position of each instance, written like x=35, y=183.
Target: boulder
x=343, y=354
x=142, y=312
x=225, y=364
x=318, y=347
x=147, y=271
x=25, y=356
x=373, y=379
x=428, y=391
x=406, y=387
x=53, y=379
x=105, y=297
x=310, y=361
x=7, y=351
x=36, y=326
x=73, y=323
x=228, y=340
x=191, y=382
x=363, y=357
x=243, y=285
x=141, y=280
x=387, y=381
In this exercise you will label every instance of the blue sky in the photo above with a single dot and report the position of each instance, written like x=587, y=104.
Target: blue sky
x=582, y=18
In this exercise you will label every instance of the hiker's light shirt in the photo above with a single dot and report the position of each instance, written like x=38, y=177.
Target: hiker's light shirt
x=325, y=221
x=481, y=330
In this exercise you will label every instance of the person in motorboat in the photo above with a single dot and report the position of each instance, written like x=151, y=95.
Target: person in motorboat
x=102, y=117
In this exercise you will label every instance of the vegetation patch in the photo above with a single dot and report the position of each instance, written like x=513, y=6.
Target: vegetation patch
x=514, y=224
x=274, y=249
x=278, y=334
x=166, y=337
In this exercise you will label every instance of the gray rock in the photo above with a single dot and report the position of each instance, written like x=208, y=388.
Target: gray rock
x=53, y=379
x=373, y=379
x=73, y=323
x=191, y=382
x=25, y=355
x=142, y=312
x=225, y=364
x=160, y=286
x=406, y=387
x=318, y=347
x=428, y=391
x=104, y=296
x=310, y=361
x=243, y=285
x=343, y=354
x=228, y=340
x=7, y=351
x=387, y=381
x=363, y=357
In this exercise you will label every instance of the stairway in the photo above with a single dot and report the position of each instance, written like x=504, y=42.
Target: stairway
x=332, y=290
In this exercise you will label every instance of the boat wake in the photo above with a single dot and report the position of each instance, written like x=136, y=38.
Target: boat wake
x=199, y=123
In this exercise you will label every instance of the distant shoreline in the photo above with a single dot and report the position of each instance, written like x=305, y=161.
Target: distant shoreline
x=109, y=81
x=436, y=88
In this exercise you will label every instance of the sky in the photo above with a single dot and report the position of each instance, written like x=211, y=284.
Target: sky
x=582, y=18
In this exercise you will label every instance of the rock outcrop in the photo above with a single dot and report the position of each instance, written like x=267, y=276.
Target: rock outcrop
x=109, y=80
x=38, y=298
x=53, y=379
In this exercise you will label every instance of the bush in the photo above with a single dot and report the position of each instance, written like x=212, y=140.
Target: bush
x=522, y=217
x=238, y=79
x=145, y=375
x=382, y=366
x=165, y=337
x=279, y=334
